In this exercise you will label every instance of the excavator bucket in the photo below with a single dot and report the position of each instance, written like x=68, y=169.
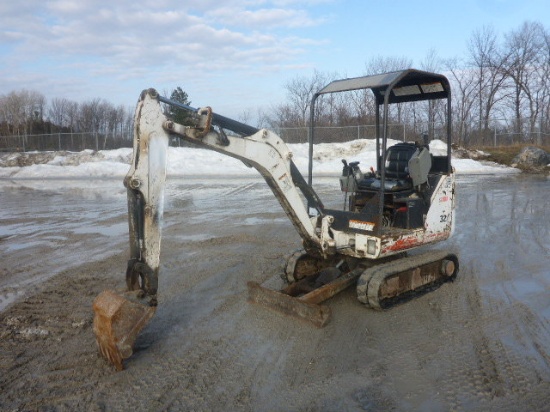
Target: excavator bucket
x=118, y=319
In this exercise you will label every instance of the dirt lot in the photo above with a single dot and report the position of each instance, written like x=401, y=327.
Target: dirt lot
x=480, y=343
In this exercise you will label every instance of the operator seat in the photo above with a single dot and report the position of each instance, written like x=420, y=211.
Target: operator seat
x=397, y=160
x=397, y=170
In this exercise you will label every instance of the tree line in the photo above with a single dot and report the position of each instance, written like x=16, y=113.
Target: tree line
x=26, y=113
x=501, y=86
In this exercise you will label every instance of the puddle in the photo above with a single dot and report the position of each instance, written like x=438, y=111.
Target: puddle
x=8, y=298
x=260, y=220
x=34, y=244
x=117, y=229
x=195, y=237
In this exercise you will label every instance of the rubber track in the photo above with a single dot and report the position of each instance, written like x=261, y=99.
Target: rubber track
x=369, y=282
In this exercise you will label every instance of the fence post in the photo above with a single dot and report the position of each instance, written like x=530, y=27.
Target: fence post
x=495, y=138
x=59, y=141
x=96, y=143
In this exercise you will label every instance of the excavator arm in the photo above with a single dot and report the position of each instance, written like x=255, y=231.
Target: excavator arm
x=145, y=181
x=120, y=316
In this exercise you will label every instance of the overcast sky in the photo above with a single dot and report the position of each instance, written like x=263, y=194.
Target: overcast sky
x=233, y=55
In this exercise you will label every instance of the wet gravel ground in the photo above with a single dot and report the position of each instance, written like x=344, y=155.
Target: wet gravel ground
x=480, y=343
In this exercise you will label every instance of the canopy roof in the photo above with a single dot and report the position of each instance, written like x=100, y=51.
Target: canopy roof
x=403, y=86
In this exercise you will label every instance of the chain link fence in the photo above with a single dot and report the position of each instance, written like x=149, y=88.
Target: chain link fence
x=497, y=137
x=76, y=142
x=493, y=136
x=73, y=142
x=339, y=134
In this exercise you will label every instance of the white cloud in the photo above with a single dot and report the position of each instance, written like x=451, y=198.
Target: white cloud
x=263, y=18
x=88, y=48
x=68, y=6
x=136, y=35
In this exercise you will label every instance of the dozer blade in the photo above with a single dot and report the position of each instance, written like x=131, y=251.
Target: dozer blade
x=118, y=319
x=319, y=315
x=305, y=306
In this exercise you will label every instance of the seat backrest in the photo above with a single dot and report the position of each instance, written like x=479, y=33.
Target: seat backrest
x=397, y=160
x=420, y=165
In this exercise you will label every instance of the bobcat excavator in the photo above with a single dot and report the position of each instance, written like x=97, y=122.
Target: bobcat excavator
x=406, y=203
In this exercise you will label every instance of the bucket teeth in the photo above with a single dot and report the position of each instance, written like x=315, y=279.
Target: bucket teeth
x=118, y=319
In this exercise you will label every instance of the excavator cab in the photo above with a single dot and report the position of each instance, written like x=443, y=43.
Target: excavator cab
x=405, y=171
x=407, y=166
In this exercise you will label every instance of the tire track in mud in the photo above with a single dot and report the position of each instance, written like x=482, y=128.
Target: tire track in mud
x=192, y=347
x=442, y=352
x=484, y=370
x=476, y=372
x=239, y=189
x=498, y=361
x=480, y=343
x=25, y=275
x=198, y=379
x=48, y=358
x=183, y=351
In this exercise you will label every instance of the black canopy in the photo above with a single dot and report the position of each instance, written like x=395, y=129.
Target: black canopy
x=403, y=86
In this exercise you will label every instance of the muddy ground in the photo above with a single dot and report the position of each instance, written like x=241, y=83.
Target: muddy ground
x=480, y=343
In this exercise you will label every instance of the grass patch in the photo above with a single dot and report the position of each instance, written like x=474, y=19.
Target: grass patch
x=505, y=154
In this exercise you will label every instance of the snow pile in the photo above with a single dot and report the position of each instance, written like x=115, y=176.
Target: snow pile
x=199, y=162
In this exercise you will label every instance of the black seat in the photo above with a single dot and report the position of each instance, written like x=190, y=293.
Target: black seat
x=397, y=160
x=397, y=169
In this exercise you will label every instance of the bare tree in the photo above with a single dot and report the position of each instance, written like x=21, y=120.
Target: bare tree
x=120, y=119
x=13, y=112
x=385, y=64
x=23, y=108
x=544, y=75
x=4, y=121
x=524, y=56
x=300, y=91
x=245, y=116
x=435, y=110
x=58, y=112
x=488, y=61
x=464, y=86
x=263, y=120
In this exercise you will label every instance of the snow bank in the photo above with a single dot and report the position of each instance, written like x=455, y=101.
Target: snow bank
x=199, y=162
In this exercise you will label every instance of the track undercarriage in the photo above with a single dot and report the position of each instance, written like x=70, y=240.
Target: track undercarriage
x=380, y=284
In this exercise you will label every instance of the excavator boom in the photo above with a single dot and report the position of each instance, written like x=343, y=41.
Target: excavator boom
x=119, y=316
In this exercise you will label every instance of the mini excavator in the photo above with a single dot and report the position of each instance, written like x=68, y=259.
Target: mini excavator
x=408, y=202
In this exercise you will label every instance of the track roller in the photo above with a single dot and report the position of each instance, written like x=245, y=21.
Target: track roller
x=300, y=265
